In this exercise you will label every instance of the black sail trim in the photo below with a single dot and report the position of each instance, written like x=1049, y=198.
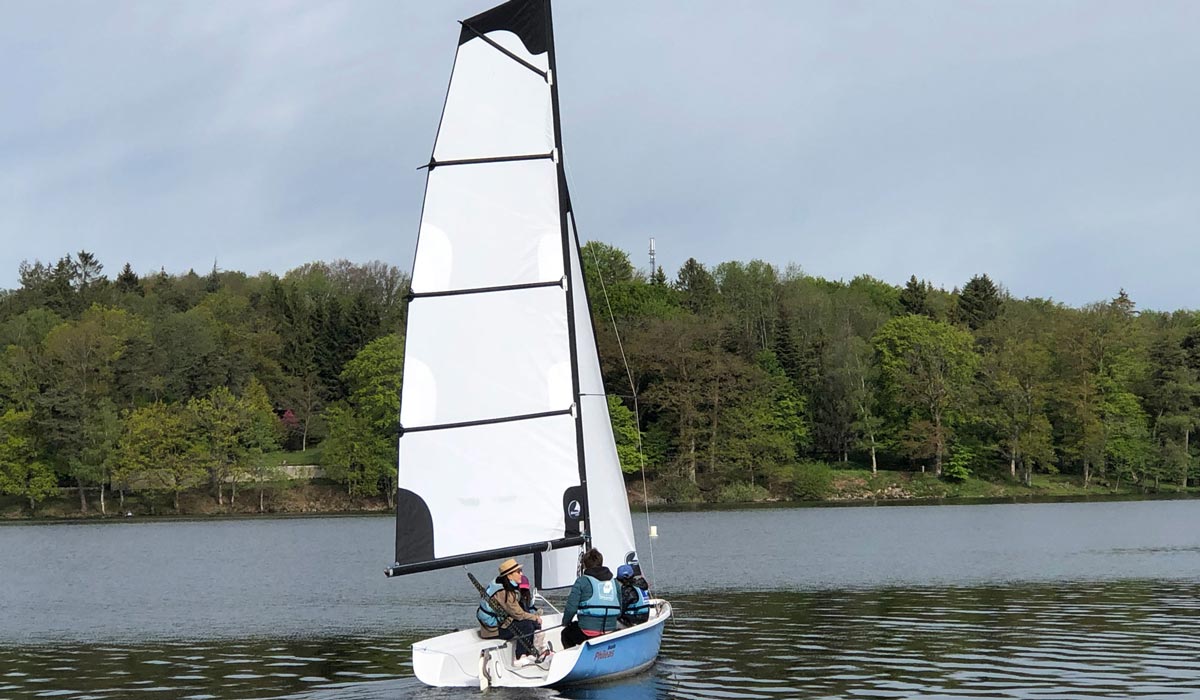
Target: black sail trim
x=503, y=50
x=485, y=421
x=525, y=18
x=476, y=557
x=492, y=159
x=484, y=290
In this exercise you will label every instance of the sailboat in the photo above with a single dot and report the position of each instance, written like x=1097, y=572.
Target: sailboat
x=506, y=448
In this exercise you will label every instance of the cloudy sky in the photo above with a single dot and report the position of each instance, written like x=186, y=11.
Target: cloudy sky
x=1051, y=145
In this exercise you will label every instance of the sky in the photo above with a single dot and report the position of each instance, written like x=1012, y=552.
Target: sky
x=1053, y=146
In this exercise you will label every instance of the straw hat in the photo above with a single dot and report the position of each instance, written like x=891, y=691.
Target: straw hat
x=509, y=566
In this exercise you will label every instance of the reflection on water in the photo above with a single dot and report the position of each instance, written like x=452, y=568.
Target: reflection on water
x=1116, y=639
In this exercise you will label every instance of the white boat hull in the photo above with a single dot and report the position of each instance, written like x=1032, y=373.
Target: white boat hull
x=463, y=659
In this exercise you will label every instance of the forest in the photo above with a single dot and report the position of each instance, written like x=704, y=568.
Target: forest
x=745, y=381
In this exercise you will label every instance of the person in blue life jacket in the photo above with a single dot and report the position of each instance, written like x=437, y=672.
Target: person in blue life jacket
x=635, y=597
x=594, y=602
x=516, y=623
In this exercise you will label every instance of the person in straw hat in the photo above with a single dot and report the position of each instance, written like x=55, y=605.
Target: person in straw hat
x=516, y=623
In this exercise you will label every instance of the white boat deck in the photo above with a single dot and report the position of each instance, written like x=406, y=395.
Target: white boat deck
x=465, y=659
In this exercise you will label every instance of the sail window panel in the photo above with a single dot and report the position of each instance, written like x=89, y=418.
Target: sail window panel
x=492, y=486
x=560, y=568
x=495, y=105
x=486, y=356
x=488, y=225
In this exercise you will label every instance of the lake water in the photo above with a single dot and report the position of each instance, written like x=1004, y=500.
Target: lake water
x=1080, y=600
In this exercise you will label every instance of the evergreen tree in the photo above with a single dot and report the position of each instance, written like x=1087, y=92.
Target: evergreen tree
x=979, y=302
x=213, y=281
x=698, y=287
x=914, y=299
x=87, y=270
x=128, y=281
x=1123, y=305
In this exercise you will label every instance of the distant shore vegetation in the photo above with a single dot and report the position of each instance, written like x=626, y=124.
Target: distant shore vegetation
x=202, y=392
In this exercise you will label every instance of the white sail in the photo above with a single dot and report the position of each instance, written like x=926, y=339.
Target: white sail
x=490, y=454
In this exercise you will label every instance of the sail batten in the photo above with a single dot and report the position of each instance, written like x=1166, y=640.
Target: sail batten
x=466, y=24
x=433, y=163
x=488, y=290
x=487, y=421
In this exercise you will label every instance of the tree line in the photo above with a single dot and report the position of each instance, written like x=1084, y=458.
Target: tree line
x=743, y=376
x=165, y=383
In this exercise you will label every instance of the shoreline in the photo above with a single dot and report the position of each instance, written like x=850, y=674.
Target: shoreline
x=314, y=502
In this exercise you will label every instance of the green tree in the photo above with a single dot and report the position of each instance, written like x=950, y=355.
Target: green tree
x=1017, y=377
x=749, y=291
x=914, y=299
x=82, y=356
x=859, y=373
x=603, y=263
x=1172, y=399
x=260, y=435
x=21, y=472
x=928, y=368
x=625, y=432
x=154, y=452
x=215, y=423
x=677, y=360
x=698, y=288
x=128, y=282
x=659, y=278
x=361, y=448
x=979, y=302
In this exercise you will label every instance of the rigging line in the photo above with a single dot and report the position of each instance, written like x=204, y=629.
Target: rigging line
x=505, y=51
x=637, y=417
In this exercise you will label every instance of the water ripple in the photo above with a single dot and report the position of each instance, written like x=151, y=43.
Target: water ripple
x=1123, y=639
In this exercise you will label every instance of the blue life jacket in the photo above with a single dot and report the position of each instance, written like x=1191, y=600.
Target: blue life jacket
x=486, y=614
x=600, y=610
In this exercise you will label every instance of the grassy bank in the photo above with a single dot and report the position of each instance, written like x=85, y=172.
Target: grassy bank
x=294, y=498
x=319, y=496
x=860, y=484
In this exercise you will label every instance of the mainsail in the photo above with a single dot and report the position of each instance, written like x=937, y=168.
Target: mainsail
x=506, y=446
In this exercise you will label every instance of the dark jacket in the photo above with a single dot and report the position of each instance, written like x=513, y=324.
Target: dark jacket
x=633, y=611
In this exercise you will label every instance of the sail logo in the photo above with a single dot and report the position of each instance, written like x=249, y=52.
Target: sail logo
x=605, y=653
x=574, y=509
x=606, y=588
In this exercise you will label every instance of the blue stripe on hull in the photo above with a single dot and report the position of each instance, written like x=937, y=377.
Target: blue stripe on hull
x=609, y=658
